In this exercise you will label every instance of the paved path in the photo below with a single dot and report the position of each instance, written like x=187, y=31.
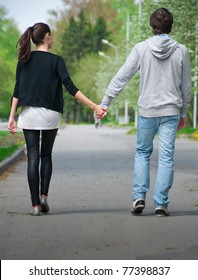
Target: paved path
x=90, y=203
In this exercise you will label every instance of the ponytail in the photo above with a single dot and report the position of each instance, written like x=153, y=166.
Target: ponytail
x=36, y=33
x=24, y=43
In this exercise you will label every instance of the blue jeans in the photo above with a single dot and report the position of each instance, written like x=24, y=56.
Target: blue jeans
x=147, y=129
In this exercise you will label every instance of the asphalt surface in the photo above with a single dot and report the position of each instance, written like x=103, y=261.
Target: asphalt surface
x=90, y=200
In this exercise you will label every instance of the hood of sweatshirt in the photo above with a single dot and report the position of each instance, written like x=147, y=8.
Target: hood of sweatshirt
x=162, y=47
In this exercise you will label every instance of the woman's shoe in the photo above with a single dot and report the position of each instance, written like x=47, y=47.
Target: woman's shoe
x=44, y=205
x=36, y=211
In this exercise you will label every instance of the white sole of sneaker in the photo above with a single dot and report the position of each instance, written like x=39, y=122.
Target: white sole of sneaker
x=137, y=209
x=163, y=213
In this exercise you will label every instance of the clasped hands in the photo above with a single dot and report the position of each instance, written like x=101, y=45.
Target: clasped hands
x=100, y=111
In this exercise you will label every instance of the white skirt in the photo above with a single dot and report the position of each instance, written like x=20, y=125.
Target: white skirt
x=38, y=118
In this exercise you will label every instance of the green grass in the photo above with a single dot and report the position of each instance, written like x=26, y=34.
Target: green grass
x=9, y=143
x=132, y=131
x=7, y=151
x=3, y=133
x=188, y=132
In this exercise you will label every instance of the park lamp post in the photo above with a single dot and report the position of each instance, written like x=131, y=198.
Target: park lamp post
x=109, y=58
x=106, y=42
x=104, y=55
x=196, y=80
x=126, y=118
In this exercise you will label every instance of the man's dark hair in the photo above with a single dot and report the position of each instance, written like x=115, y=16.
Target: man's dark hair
x=161, y=21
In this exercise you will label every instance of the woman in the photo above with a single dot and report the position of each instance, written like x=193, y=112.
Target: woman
x=38, y=89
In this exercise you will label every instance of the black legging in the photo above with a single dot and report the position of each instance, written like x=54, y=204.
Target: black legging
x=32, y=139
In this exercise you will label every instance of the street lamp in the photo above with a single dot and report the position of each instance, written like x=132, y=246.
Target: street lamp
x=140, y=10
x=106, y=42
x=104, y=55
x=109, y=58
x=196, y=80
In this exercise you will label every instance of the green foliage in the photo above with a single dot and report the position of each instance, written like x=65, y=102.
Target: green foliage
x=188, y=132
x=9, y=35
x=78, y=32
x=7, y=139
x=81, y=37
x=76, y=40
x=184, y=30
x=185, y=14
x=84, y=76
x=108, y=68
x=99, y=32
x=81, y=42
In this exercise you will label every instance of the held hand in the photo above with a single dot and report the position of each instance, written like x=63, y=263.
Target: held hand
x=12, y=127
x=182, y=123
x=100, y=112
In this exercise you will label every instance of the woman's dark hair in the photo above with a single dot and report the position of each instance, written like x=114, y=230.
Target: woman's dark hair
x=161, y=21
x=36, y=33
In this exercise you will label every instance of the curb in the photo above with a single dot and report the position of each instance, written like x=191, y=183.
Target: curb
x=18, y=154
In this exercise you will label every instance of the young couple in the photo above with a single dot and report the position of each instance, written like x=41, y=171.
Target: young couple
x=164, y=96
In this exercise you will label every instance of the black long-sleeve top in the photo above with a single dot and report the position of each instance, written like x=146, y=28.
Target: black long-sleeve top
x=39, y=81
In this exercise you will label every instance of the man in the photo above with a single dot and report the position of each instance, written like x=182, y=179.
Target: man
x=164, y=96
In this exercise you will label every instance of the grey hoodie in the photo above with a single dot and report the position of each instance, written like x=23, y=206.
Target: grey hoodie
x=165, y=83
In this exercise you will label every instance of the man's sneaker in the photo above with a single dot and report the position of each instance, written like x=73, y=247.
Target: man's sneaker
x=161, y=212
x=138, y=206
x=44, y=205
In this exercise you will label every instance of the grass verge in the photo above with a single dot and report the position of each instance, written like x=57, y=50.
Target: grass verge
x=187, y=132
x=6, y=152
x=9, y=143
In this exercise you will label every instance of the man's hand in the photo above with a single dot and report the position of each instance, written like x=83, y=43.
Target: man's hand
x=100, y=111
x=182, y=123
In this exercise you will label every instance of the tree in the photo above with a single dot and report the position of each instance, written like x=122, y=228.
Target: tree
x=114, y=15
x=92, y=8
x=100, y=32
x=81, y=37
x=85, y=76
x=70, y=43
x=185, y=15
x=80, y=41
x=9, y=35
x=109, y=68
x=184, y=31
